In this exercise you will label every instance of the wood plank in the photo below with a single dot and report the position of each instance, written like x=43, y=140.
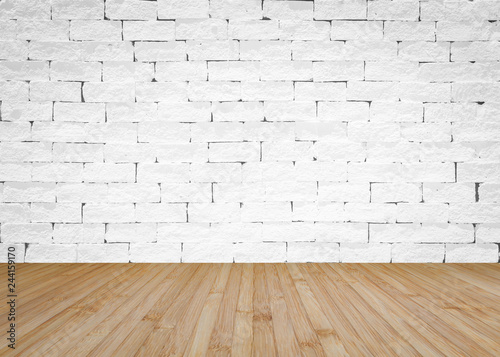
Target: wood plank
x=221, y=339
x=178, y=340
x=242, y=337
x=263, y=336
x=306, y=335
x=329, y=338
x=285, y=339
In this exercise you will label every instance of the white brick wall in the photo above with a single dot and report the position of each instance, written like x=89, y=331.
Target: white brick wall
x=250, y=131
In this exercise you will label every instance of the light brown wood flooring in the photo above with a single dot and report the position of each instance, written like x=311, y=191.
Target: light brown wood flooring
x=255, y=310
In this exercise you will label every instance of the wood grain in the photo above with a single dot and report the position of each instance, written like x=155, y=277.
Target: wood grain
x=256, y=310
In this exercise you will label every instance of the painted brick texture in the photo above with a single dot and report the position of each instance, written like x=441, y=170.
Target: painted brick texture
x=250, y=131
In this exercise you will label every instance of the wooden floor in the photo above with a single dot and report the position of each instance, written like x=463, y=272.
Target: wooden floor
x=256, y=309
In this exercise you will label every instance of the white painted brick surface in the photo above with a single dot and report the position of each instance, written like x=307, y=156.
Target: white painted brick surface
x=250, y=131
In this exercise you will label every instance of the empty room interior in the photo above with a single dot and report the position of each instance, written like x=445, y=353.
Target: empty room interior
x=250, y=178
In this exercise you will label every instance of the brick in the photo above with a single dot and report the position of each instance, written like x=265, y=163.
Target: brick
x=131, y=232
x=56, y=212
x=266, y=212
x=95, y=30
x=448, y=192
x=337, y=9
x=14, y=91
x=365, y=253
x=228, y=152
x=418, y=253
x=396, y=112
x=474, y=213
x=422, y=212
x=127, y=72
x=214, y=91
x=156, y=92
x=148, y=30
x=304, y=30
x=357, y=30
x=489, y=193
x=131, y=112
x=19, y=252
x=318, y=212
x=315, y=252
x=55, y=91
x=459, y=11
x=15, y=213
x=163, y=173
x=236, y=9
x=338, y=71
x=14, y=50
x=201, y=29
x=459, y=31
x=75, y=71
x=471, y=253
x=424, y=51
x=207, y=253
x=57, y=172
x=182, y=71
x=318, y=50
x=422, y=233
x=175, y=9
x=108, y=92
x=475, y=51
x=108, y=213
x=395, y=192
x=478, y=172
x=79, y=233
x=254, y=30
x=155, y=253
x=108, y=253
x=131, y=10
x=186, y=192
x=28, y=71
x=79, y=112
x=390, y=10
x=214, y=50
x=78, y=9
x=81, y=192
x=47, y=253
x=488, y=233
x=234, y=71
x=288, y=10
x=161, y=132
x=43, y=30
x=15, y=131
x=27, y=233
x=320, y=91
x=8, y=30
x=265, y=50
x=343, y=191
x=214, y=212
x=29, y=192
x=269, y=90
x=160, y=51
x=259, y=252
x=238, y=111
x=25, y=152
